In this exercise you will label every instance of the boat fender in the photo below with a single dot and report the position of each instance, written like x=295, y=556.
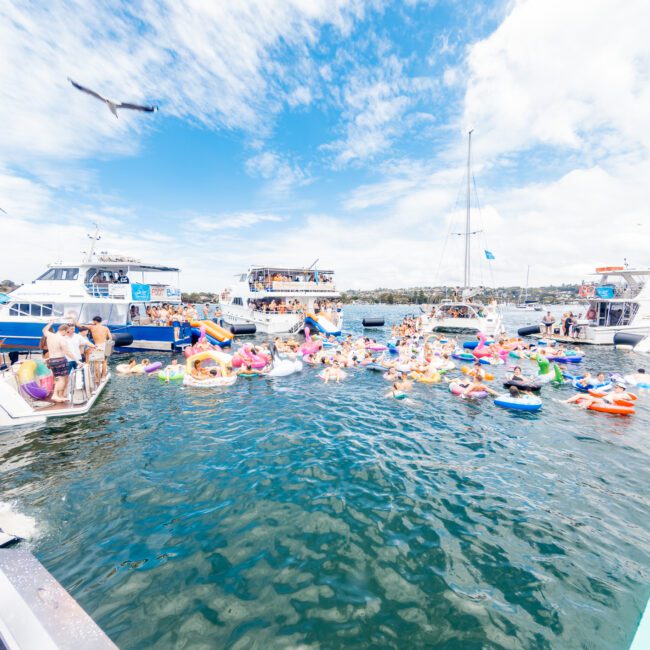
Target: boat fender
x=243, y=329
x=528, y=331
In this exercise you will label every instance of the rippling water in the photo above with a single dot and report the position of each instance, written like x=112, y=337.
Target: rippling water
x=288, y=513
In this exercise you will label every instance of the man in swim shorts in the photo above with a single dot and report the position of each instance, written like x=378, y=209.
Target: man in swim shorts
x=57, y=346
x=101, y=335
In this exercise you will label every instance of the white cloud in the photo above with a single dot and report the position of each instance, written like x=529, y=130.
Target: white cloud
x=235, y=220
x=565, y=74
x=223, y=64
x=280, y=175
x=374, y=103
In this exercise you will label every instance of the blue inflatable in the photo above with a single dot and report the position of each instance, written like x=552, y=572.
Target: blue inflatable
x=523, y=403
x=603, y=386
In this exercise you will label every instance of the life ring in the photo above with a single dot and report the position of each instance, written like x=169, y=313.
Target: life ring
x=591, y=314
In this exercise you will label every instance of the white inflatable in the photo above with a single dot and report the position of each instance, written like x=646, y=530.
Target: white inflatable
x=210, y=382
x=282, y=367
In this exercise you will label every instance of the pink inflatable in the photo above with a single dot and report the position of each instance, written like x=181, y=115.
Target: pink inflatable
x=309, y=346
x=244, y=356
x=459, y=389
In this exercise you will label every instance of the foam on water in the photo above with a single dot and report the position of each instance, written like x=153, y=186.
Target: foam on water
x=16, y=523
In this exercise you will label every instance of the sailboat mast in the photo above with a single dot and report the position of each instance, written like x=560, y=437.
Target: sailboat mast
x=527, y=277
x=468, y=218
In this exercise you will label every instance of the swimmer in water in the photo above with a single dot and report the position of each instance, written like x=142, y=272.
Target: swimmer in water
x=477, y=386
x=585, y=401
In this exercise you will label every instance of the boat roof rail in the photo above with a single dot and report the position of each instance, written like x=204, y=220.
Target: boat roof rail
x=134, y=266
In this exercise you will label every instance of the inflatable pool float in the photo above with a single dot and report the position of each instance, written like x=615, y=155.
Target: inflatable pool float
x=213, y=358
x=152, y=367
x=374, y=366
x=566, y=359
x=523, y=385
x=456, y=388
x=486, y=375
x=614, y=409
x=523, y=403
x=434, y=379
x=463, y=356
x=169, y=375
x=283, y=367
x=210, y=382
x=245, y=356
x=603, y=386
x=35, y=379
x=631, y=380
x=491, y=362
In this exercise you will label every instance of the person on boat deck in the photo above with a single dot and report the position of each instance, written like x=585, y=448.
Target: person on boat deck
x=547, y=322
x=122, y=278
x=568, y=323
x=101, y=334
x=585, y=401
x=57, y=362
x=77, y=345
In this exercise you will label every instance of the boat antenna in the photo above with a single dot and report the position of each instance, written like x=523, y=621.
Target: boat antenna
x=468, y=233
x=95, y=237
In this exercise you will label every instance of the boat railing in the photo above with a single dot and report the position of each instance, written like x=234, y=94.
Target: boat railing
x=82, y=383
x=287, y=286
x=276, y=312
x=108, y=290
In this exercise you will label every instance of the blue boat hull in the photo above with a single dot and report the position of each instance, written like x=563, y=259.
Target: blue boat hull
x=146, y=338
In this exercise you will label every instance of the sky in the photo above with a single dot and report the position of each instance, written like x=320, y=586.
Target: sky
x=331, y=130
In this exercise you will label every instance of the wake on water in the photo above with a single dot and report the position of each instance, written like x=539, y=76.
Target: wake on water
x=16, y=523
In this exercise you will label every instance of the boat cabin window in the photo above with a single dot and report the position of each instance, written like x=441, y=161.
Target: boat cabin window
x=60, y=273
x=37, y=310
x=237, y=301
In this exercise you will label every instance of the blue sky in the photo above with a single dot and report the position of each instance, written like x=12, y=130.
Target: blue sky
x=331, y=129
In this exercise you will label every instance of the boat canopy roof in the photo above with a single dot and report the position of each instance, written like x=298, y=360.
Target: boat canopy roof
x=115, y=263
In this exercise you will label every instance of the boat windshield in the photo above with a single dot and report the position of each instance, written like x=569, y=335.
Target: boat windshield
x=60, y=273
x=459, y=310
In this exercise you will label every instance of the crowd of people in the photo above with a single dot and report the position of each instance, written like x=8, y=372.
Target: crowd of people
x=65, y=349
x=168, y=314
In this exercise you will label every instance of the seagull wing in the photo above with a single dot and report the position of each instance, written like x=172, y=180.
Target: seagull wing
x=137, y=107
x=83, y=89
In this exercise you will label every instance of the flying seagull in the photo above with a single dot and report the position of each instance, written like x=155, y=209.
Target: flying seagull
x=113, y=106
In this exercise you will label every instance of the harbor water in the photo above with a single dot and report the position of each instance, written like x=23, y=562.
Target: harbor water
x=285, y=513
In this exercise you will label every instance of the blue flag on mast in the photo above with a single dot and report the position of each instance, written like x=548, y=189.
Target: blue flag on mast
x=489, y=255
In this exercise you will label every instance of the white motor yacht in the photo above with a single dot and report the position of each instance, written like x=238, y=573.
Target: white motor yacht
x=280, y=300
x=618, y=303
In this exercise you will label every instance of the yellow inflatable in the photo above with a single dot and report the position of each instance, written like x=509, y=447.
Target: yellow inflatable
x=221, y=358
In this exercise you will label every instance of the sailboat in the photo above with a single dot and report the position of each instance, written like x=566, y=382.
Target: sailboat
x=463, y=313
x=525, y=304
